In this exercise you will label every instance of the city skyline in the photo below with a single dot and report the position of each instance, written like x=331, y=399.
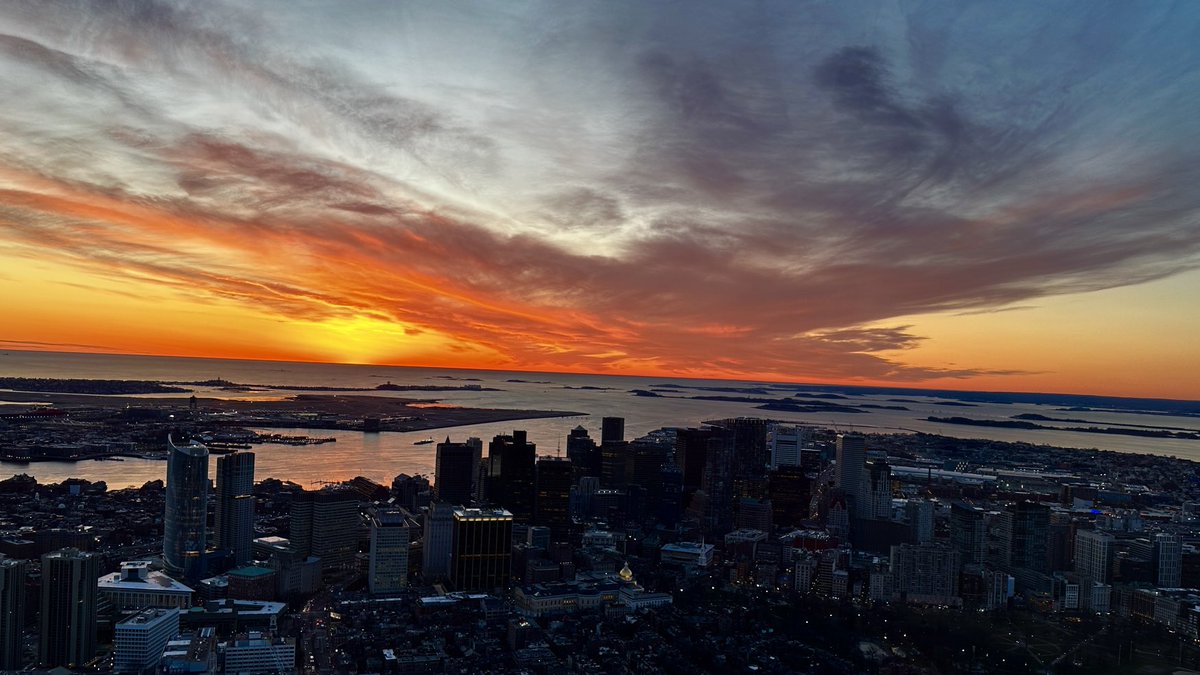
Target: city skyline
x=968, y=197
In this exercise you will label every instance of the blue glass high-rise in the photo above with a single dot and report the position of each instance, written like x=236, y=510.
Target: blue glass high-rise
x=184, y=536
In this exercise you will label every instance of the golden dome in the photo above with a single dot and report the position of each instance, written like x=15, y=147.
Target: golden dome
x=626, y=574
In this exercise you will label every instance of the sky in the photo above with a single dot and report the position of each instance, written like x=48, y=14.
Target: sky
x=971, y=195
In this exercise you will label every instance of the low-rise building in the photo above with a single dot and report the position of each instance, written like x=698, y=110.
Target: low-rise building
x=687, y=553
x=137, y=587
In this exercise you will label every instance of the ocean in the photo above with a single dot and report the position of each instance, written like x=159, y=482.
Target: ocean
x=382, y=456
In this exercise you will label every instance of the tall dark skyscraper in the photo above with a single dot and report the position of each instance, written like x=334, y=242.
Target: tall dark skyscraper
x=456, y=473
x=851, y=472
x=583, y=453
x=12, y=612
x=234, y=529
x=669, y=504
x=553, y=500
x=511, y=461
x=718, y=486
x=612, y=430
x=1024, y=529
x=967, y=533
x=186, y=510
x=481, y=552
x=612, y=452
x=68, y=620
x=691, y=454
x=751, y=454
x=790, y=494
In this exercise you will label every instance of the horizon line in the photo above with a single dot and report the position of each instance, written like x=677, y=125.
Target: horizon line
x=596, y=374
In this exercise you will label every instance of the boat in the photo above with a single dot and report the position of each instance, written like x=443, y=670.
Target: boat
x=423, y=441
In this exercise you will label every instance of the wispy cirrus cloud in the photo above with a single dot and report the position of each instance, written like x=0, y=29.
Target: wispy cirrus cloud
x=722, y=190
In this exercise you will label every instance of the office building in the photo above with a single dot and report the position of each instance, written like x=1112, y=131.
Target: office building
x=716, y=506
x=68, y=617
x=481, y=554
x=256, y=652
x=755, y=514
x=139, y=640
x=785, y=443
x=612, y=430
x=747, y=439
x=191, y=653
x=790, y=492
x=137, y=586
x=879, y=491
x=583, y=453
x=670, y=495
x=456, y=473
x=552, y=501
x=968, y=534
x=920, y=520
x=1024, y=531
x=850, y=474
x=12, y=613
x=325, y=523
x=512, y=469
x=186, y=515
x=438, y=542
x=387, y=570
x=1167, y=560
x=234, y=530
x=252, y=582
x=1094, y=556
x=691, y=454
x=925, y=574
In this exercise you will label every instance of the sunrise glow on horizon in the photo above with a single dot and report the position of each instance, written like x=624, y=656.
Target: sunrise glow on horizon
x=946, y=196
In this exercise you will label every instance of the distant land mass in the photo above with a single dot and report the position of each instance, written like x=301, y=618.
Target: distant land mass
x=1023, y=424
x=79, y=386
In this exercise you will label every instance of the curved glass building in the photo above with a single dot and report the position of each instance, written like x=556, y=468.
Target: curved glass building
x=186, y=506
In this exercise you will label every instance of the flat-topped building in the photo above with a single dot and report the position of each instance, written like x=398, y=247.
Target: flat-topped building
x=137, y=586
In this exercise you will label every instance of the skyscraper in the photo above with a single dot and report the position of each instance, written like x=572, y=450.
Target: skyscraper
x=691, y=454
x=851, y=467
x=438, y=541
x=186, y=515
x=1094, y=555
x=748, y=443
x=1024, y=529
x=612, y=430
x=456, y=473
x=790, y=494
x=325, y=524
x=68, y=623
x=512, y=465
x=553, y=499
x=481, y=554
x=12, y=613
x=717, y=516
x=967, y=533
x=879, y=500
x=1168, y=561
x=583, y=453
x=234, y=529
x=920, y=520
x=388, y=565
x=785, y=443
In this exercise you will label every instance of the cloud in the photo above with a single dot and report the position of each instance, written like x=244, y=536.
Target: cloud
x=627, y=188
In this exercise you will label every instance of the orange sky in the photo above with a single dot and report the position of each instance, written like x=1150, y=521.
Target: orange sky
x=653, y=194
